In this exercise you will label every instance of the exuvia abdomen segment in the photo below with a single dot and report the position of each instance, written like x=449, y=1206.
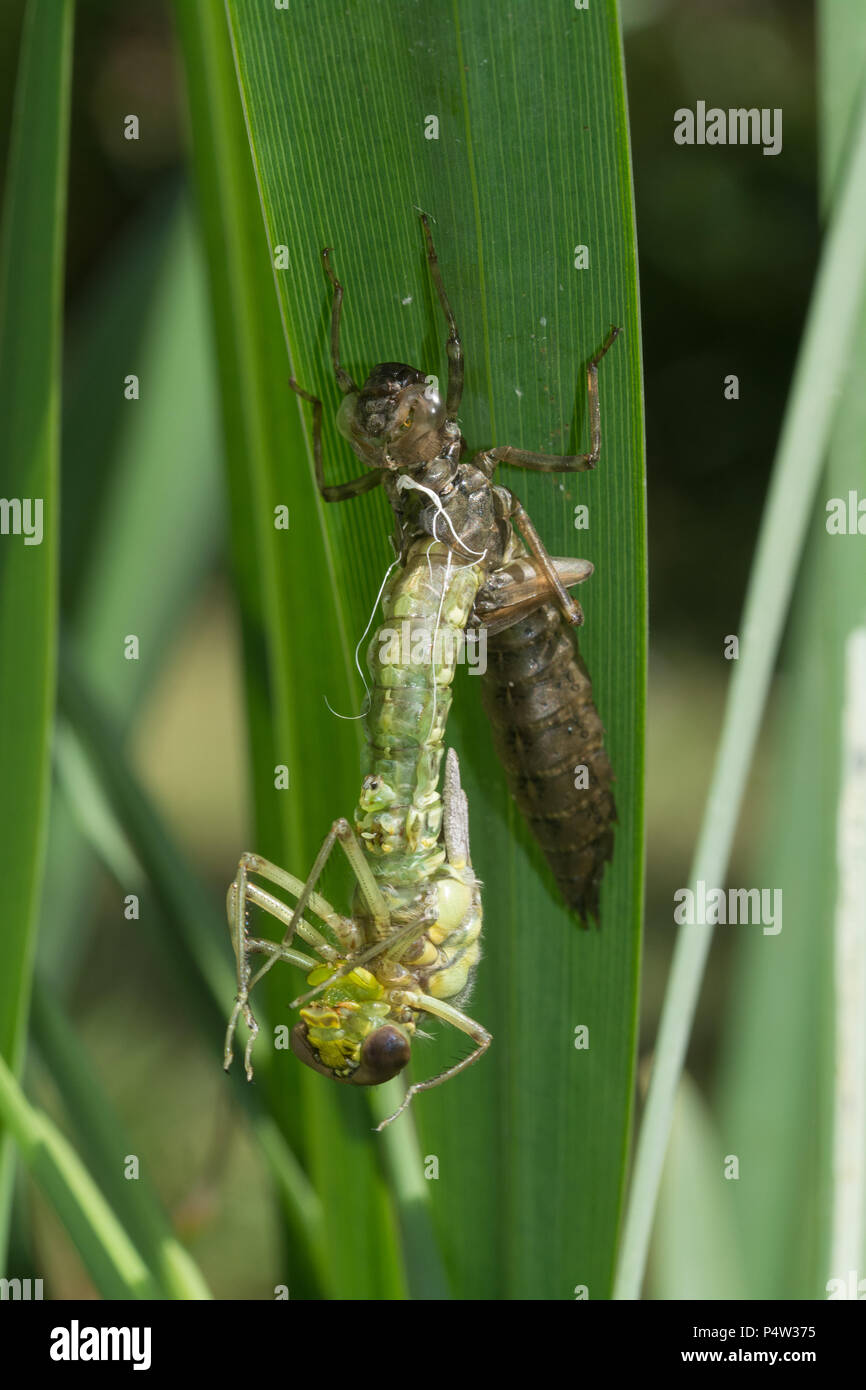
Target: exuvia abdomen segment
x=549, y=737
x=412, y=660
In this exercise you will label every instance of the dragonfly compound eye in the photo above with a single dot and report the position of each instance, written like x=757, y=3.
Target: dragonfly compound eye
x=383, y=1055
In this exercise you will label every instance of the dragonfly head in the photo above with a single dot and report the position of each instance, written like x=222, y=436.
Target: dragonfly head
x=397, y=418
x=380, y=1057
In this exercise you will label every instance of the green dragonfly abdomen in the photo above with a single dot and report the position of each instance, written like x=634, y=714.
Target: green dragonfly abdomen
x=456, y=937
x=412, y=660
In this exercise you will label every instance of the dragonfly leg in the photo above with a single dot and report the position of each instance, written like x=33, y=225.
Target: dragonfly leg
x=448, y=1014
x=344, y=381
x=241, y=894
x=332, y=492
x=453, y=347
x=571, y=610
x=340, y=833
x=455, y=818
x=387, y=945
x=519, y=588
x=369, y=889
x=564, y=463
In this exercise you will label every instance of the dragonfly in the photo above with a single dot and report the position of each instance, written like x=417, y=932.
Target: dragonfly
x=537, y=691
x=411, y=947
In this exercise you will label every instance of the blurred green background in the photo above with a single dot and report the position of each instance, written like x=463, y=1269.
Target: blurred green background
x=728, y=248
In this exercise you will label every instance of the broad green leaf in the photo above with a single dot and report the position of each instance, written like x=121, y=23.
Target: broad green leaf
x=31, y=304
x=526, y=161
x=274, y=568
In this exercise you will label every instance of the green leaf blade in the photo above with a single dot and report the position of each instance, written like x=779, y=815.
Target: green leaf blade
x=112, y=1260
x=31, y=306
x=531, y=161
x=279, y=581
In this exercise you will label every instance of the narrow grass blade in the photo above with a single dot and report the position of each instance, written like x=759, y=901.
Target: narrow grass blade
x=157, y=521
x=31, y=302
x=197, y=922
x=779, y=1115
x=104, y=1145
x=134, y=471
x=847, y=1223
x=821, y=369
x=114, y=1264
x=192, y=938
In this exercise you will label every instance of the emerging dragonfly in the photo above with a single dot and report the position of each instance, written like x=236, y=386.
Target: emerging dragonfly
x=537, y=691
x=412, y=944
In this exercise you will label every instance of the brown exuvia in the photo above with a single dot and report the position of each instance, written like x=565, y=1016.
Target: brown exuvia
x=537, y=691
x=537, y=694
